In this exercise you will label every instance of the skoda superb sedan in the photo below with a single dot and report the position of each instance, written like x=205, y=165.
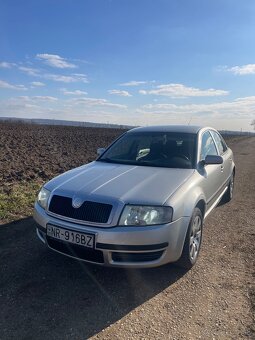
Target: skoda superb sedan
x=143, y=201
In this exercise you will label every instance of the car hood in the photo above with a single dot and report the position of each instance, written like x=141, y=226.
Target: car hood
x=101, y=181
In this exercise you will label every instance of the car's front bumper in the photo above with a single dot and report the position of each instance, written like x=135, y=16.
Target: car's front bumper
x=134, y=247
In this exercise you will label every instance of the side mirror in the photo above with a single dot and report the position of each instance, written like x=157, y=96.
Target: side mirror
x=212, y=159
x=100, y=151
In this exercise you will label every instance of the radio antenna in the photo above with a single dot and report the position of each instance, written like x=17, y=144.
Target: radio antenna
x=190, y=120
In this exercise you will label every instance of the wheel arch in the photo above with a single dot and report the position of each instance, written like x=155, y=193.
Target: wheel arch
x=234, y=171
x=201, y=204
x=186, y=201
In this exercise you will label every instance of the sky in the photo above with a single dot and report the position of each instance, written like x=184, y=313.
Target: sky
x=134, y=62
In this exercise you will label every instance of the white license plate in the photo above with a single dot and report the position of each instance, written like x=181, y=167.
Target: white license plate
x=82, y=239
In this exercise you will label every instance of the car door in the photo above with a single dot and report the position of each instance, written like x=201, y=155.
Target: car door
x=212, y=173
x=225, y=153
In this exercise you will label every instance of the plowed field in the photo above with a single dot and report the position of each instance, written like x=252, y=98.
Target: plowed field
x=29, y=152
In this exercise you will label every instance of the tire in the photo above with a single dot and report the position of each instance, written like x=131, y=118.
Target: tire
x=230, y=191
x=193, y=241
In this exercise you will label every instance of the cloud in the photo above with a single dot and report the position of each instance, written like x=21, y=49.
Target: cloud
x=74, y=77
x=82, y=109
x=55, y=60
x=242, y=70
x=224, y=114
x=66, y=79
x=5, y=64
x=79, y=75
x=5, y=85
x=143, y=92
x=120, y=93
x=238, y=108
x=44, y=98
x=32, y=99
x=28, y=101
x=37, y=83
x=74, y=93
x=30, y=71
x=60, y=78
x=182, y=91
x=96, y=102
x=30, y=107
x=134, y=83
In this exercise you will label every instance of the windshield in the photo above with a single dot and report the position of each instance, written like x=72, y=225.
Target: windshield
x=159, y=149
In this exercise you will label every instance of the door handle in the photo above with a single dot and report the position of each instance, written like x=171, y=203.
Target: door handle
x=221, y=168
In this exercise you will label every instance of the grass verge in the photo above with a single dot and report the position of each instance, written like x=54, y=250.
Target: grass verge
x=17, y=200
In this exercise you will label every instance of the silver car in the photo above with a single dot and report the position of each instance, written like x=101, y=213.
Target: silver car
x=142, y=203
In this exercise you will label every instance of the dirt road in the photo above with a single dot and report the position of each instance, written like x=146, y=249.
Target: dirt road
x=44, y=295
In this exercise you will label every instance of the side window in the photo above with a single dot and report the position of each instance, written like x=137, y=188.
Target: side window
x=207, y=147
x=220, y=142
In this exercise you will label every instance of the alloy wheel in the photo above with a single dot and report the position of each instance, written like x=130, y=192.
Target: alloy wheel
x=231, y=187
x=195, y=238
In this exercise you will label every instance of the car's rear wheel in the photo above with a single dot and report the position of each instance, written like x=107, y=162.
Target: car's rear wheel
x=193, y=241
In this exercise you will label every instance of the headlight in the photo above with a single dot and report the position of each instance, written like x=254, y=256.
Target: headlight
x=43, y=197
x=145, y=215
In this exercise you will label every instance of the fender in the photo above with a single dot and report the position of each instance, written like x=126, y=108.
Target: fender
x=187, y=198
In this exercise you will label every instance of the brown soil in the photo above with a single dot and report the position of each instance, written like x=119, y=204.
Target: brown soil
x=40, y=152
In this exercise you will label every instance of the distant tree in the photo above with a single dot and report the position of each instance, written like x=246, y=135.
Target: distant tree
x=253, y=123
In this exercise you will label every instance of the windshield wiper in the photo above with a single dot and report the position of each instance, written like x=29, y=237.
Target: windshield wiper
x=117, y=161
x=106, y=160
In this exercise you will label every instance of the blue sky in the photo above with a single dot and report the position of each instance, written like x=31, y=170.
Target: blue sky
x=135, y=62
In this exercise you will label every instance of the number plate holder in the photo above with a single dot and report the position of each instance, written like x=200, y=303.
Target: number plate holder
x=86, y=240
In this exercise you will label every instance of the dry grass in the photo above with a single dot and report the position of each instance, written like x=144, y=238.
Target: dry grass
x=17, y=200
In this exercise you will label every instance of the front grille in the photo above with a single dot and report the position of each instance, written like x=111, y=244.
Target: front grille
x=136, y=257
x=88, y=211
x=76, y=251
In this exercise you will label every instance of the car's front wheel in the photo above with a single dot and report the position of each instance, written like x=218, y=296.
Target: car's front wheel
x=193, y=241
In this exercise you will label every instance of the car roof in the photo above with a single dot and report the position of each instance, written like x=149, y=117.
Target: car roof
x=168, y=128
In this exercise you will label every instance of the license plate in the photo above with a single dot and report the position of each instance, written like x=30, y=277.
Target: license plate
x=82, y=239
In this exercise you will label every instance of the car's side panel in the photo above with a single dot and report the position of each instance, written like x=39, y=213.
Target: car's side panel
x=212, y=183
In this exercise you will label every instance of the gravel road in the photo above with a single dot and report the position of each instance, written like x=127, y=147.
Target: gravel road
x=44, y=295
